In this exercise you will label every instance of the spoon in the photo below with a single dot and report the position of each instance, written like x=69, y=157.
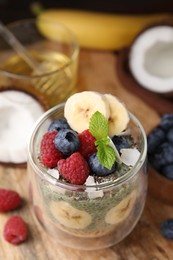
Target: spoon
x=18, y=47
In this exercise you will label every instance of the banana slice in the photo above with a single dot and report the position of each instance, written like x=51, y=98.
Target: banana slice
x=119, y=116
x=81, y=106
x=120, y=212
x=69, y=216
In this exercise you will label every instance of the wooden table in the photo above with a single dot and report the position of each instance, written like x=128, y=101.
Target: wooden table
x=97, y=71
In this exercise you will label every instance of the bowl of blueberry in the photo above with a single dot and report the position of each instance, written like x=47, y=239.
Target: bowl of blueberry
x=160, y=157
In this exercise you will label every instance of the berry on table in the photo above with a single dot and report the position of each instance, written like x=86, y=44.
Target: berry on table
x=97, y=168
x=9, y=200
x=15, y=230
x=58, y=124
x=74, y=169
x=67, y=141
x=167, y=229
x=49, y=154
x=87, y=146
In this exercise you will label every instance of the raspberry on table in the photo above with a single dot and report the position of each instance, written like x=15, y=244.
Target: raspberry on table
x=9, y=200
x=87, y=146
x=49, y=154
x=15, y=230
x=74, y=169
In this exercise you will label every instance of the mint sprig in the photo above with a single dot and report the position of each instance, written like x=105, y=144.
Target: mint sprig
x=106, y=155
x=98, y=127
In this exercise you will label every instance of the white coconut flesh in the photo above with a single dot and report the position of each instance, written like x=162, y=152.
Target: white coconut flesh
x=151, y=59
x=18, y=113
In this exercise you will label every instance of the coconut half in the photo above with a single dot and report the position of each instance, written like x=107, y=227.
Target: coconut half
x=151, y=59
x=18, y=113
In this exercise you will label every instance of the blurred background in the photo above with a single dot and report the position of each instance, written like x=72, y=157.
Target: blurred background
x=11, y=10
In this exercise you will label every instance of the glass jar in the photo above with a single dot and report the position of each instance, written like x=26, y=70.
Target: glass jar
x=40, y=64
x=86, y=217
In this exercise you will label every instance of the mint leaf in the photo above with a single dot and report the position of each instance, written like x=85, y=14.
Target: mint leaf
x=103, y=141
x=106, y=155
x=98, y=125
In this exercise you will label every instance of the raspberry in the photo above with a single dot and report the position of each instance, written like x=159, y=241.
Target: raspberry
x=87, y=146
x=49, y=154
x=9, y=200
x=15, y=230
x=74, y=169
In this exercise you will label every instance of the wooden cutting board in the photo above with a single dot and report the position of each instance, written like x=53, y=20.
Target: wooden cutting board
x=96, y=72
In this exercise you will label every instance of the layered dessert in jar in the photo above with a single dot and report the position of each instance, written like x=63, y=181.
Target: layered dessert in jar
x=87, y=171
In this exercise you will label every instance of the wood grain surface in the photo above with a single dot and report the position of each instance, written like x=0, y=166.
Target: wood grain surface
x=96, y=72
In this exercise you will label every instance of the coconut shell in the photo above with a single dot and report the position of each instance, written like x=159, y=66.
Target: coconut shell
x=40, y=99
x=161, y=103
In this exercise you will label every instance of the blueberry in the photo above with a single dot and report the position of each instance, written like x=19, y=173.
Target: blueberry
x=167, y=171
x=166, y=121
x=170, y=135
x=155, y=138
x=164, y=154
x=154, y=162
x=166, y=228
x=97, y=168
x=58, y=125
x=67, y=141
x=120, y=142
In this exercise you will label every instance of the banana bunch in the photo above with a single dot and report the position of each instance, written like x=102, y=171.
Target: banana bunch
x=97, y=30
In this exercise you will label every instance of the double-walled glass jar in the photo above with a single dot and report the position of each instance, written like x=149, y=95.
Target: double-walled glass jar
x=87, y=217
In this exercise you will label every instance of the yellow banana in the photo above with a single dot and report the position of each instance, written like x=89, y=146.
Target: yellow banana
x=97, y=30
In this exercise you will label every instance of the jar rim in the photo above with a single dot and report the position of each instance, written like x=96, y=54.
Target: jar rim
x=120, y=180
